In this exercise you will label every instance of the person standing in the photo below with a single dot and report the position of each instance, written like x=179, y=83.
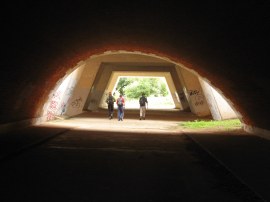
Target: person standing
x=110, y=101
x=143, y=103
x=121, y=105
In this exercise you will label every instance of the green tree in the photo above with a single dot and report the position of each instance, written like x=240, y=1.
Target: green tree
x=134, y=87
x=122, y=83
x=163, y=90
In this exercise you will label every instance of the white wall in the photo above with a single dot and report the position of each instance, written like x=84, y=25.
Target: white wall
x=219, y=107
x=194, y=93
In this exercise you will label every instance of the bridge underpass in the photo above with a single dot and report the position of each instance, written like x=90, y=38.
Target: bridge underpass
x=81, y=155
x=91, y=158
x=225, y=43
x=85, y=87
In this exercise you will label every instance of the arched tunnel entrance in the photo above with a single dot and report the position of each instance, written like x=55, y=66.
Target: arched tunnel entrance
x=85, y=87
x=65, y=57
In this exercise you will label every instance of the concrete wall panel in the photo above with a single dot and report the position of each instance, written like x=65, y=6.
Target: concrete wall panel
x=195, y=94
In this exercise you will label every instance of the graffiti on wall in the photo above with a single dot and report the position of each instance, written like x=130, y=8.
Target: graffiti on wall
x=70, y=90
x=54, y=105
x=63, y=107
x=197, y=97
x=59, y=102
x=76, y=103
x=62, y=99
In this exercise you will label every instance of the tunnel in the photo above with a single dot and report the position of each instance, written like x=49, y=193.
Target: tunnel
x=87, y=87
x=60, y=60
x=43, y=51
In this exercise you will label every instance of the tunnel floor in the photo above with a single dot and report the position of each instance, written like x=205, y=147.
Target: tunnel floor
x=148, y=160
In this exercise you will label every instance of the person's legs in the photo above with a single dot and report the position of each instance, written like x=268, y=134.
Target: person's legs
x=118, y=113
x=111, y=111
x=121, y=113
x=143, y=112
x=122, y=117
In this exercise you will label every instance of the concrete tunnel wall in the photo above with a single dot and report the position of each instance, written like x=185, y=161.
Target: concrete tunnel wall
x=141, y=64
x=116, y=75
x=226, y=44
x=80, y=90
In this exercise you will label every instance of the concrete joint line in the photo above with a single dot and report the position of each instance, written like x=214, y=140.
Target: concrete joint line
x=226, y=167
x=20, y=150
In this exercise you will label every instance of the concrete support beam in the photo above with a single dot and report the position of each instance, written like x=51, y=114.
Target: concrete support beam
x=194, y=93
x=181, y=90
x=116, y=74
x=219, y=107
x=106, y=70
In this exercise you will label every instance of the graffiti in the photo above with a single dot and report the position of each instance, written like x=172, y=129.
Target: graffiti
x=53, y=106
x=60, y=102
x=56, y=96
x=194, y=92
x=52, y=110
x=200, y=102
x=63, y=107
x=197, y=97
x=50, y=115
x=77, y=103
x=70, y=90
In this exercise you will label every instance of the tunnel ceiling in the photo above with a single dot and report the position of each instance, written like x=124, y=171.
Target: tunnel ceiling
x=225, y=43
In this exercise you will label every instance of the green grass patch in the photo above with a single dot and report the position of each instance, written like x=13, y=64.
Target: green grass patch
x=224, y=124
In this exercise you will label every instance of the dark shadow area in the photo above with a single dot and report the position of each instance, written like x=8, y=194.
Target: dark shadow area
x=77, y=165
x=16, y=142
x=245, y=156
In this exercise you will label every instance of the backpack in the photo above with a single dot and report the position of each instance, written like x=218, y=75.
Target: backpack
x=142, y=101
x=110, y=100
x=120, y=101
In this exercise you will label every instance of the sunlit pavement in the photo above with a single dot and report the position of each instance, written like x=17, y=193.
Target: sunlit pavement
x=127, y=125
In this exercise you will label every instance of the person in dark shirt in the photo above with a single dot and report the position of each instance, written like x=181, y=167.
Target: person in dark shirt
x=143, y=104
x=110, y=101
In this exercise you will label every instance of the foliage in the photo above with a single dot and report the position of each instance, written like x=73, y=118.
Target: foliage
x=122, y=83
x=227, y=124
x=134, y=87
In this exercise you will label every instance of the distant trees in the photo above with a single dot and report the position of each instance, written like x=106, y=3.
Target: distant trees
x=134, y=87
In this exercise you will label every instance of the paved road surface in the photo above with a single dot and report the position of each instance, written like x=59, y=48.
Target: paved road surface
x=80, y=160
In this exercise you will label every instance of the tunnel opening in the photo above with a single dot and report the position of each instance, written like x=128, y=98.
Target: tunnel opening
x=155, y=88
x=83, y=87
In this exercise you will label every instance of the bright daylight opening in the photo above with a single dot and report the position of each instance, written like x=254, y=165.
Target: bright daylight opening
x=155, y=89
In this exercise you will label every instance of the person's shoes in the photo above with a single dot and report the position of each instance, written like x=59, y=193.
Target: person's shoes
x=140, y=118
x=143, y=118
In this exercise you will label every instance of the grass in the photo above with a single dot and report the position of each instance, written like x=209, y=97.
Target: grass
x=224, y=124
